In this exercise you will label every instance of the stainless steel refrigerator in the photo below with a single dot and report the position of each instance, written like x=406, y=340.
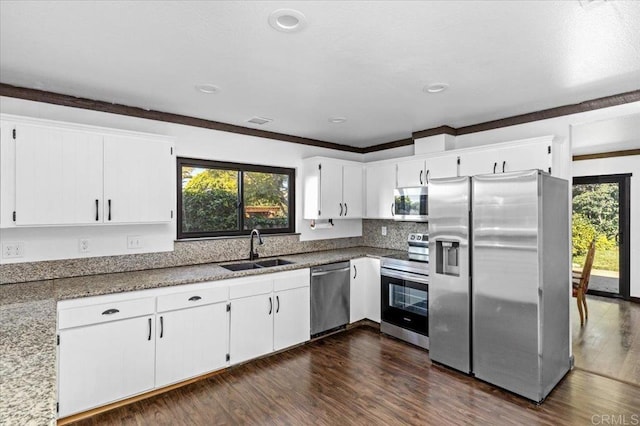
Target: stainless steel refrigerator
x=499, y=289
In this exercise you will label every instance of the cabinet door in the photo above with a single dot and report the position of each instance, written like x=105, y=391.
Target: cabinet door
x=479, y=162
x=102, y=363
x=58, y=176
x=330, y=190
x=411, y=173
x=358, y=297
x=525, y=157
x=371, y=284
x=442, y=167
x=380, y=183
x=191, y=342
x=352, y=191
x=139, y=182
x=292, y=318
x=251, y=332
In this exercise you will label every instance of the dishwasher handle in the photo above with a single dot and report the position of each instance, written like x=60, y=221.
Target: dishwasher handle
x=318, y=274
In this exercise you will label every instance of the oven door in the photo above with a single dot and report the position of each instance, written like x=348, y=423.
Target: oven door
x=405, y=300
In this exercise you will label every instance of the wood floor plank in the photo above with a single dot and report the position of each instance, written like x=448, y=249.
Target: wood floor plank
x=361, y=377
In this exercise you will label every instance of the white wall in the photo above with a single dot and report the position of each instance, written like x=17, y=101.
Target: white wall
x=62, y=242
x=619, y=165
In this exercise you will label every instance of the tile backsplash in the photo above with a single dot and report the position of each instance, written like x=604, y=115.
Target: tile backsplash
x=397, y=232
x=206, y=251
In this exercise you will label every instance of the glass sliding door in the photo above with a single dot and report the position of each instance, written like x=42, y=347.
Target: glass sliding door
x=601, y=212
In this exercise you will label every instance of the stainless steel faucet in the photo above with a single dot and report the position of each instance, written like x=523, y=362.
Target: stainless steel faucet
x=253, y=254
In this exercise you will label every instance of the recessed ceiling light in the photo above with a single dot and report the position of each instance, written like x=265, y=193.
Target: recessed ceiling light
x=259, y=120
x=287, y=20
x=435, y=87
x=208, y=88
x=337, y=120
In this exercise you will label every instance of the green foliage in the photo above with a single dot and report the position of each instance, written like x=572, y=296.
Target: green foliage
x=261, y=222
x=210, y=200
x=210, y=179
x=603, y=243
x=583, y=233
x=212, y=210
x=266, y=189
x=598, y=204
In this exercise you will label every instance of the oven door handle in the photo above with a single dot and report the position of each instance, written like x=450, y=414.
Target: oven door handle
x=384, y=272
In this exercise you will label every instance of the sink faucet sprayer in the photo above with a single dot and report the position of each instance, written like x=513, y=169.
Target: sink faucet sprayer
x=253, y=254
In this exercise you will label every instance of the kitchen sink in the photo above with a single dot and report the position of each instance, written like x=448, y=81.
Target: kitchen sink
x=244, y=266
x=241, y=266
x=273, y=262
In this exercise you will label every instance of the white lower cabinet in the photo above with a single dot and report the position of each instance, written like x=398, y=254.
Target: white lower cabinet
x=251, y=327
x=365, y=289
x=103, y=363
x=268, y=313
x=292, y=319
x=190, y=342
x=192, y=333
x=116, y=346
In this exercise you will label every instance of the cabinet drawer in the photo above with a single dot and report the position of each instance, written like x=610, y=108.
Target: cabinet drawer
x=104, y=312
x=291, y=280
x=250, y=287
x=192, y=298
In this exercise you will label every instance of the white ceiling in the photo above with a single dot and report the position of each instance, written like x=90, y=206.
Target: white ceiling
x=367, y=61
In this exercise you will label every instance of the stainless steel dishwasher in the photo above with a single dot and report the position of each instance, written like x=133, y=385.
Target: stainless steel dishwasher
x=330, y=300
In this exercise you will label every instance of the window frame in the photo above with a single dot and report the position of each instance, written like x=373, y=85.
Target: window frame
x=240, y=168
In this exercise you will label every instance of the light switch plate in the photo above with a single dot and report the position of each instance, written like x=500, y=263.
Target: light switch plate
x=384, y=230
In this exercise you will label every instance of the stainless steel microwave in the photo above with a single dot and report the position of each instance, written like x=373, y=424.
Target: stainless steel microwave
x=410, y=204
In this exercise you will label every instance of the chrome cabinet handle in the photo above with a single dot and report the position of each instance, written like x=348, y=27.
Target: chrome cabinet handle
x=277, y=304
x=161, y=327
x=355, y=271
x=270, y=305
x=110, y=312
x=194, y=298
x=149, y=338
x=97, y=217
x=420, y=177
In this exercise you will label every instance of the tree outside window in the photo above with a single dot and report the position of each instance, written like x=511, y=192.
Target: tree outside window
x=217, y=199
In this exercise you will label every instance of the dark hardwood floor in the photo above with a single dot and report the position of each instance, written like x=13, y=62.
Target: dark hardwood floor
x=609, y=341
x=362, y=377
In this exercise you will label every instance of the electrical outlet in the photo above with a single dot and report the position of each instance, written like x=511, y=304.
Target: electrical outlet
x=384, y=230
x=134, y=242
x=83, y=245
x=13, y=250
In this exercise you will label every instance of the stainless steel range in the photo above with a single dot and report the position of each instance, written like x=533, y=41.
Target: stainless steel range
x=405, y=293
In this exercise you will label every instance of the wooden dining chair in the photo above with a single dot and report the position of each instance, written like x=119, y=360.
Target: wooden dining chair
x=580, y=283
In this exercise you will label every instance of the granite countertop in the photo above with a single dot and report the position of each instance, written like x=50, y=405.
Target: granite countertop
x=28, y=323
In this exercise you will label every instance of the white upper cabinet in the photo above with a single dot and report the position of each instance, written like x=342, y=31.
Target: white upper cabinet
x=80, y=175
x=58, y=176
x=332, y=189
x=137, y=185
x=411, y=173
x=380, y=183
x=418, y=172
x=352, y=190
x=528, y=154
x=441, y=167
